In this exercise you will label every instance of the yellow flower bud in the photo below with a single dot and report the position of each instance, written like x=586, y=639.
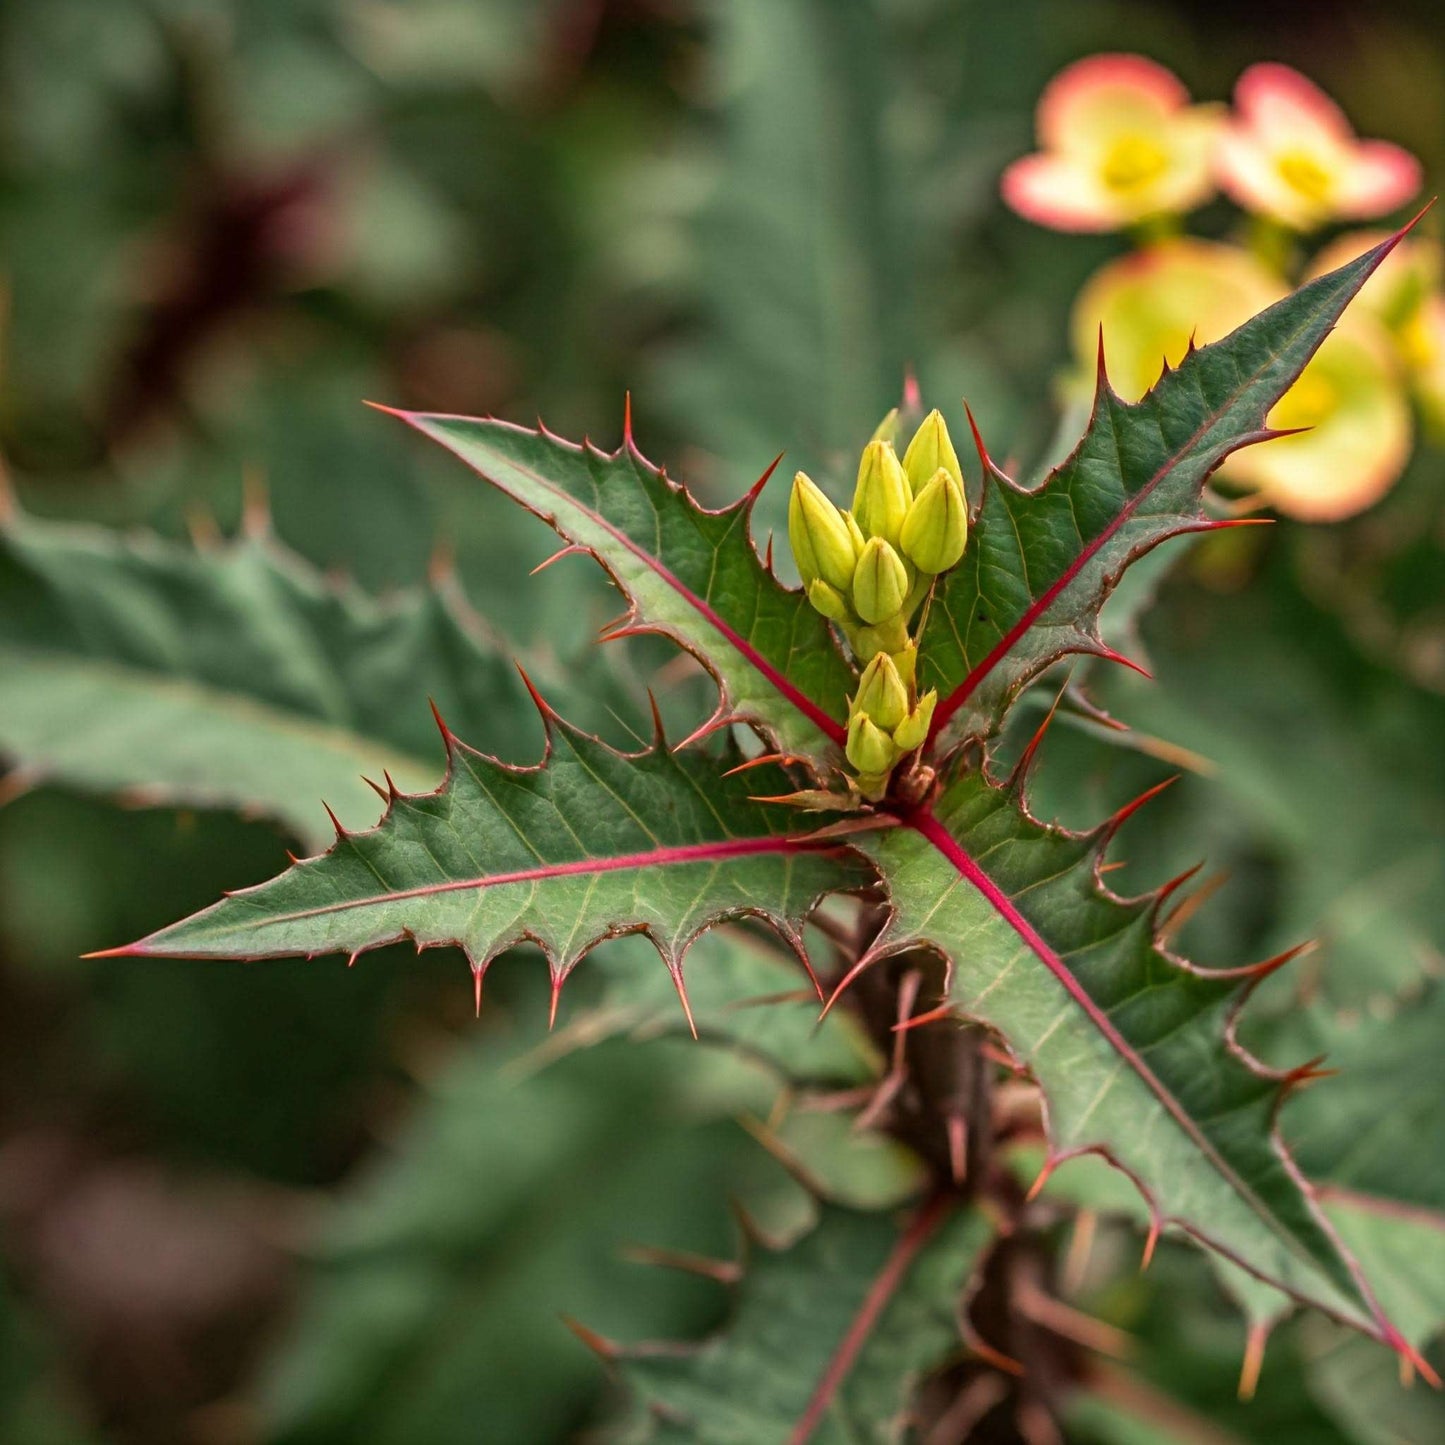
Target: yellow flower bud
x=912, y=732
x=881, y=693
x=887, y=429
x=827, y=600
x=936, y=527
x=905, y=659
x=822, y=545
x=880, y=501
x=890, y=636
x=869, y=748
x=880, y=582
x=854, y=530
x=930, y=449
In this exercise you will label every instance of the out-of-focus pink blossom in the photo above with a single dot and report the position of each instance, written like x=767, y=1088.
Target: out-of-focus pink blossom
x=1289, y=153
x=1119, y=143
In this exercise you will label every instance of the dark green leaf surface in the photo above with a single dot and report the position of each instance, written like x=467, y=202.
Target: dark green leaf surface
x=234, y=678
x=692, y=574
x=1128, y=1044
x=591, y=844
x=759, y=1379
x=1040, y=563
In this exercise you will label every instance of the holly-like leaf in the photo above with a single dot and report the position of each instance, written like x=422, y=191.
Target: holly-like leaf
x=1041, y=563
x=1131, y=1047
x=829, y=1338
x=237, y=677
x=588, y=845
x=688, y=572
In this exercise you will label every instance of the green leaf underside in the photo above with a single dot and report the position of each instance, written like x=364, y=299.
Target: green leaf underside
x=591, y=844
x=746, y=996
x=1128, y=1044
x=1040, y=563
x=760, y=1378
x=688, y=572
x=235, y=678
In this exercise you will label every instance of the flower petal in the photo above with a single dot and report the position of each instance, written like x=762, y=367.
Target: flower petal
x=1058, y=191
x=1282, y=106
x=1381, y=177
x=1249, y=174
x=1150, y=304
x=1093, y=99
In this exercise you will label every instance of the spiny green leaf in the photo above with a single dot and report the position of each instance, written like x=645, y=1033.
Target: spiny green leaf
x=590, y=844
x=1040, y=563
x=690, y=573
x=1132, y=1047
x=237, y=677
x=835, y=1332
x=745, y=995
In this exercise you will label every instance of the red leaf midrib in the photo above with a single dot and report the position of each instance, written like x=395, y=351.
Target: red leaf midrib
x=927, y=825
x=649, y=858
x=829, y=726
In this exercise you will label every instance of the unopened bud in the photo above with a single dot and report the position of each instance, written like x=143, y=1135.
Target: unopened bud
x=905, y=659
x=936, y=527
x=881, y=693
x=890, y=636
x=854, y=530
x=880, y=582
x=827, y=600
x=912, y=732
x=869, y=748
x=930, y=449
x=887, y=429
x=822, y=545
x=880, y=501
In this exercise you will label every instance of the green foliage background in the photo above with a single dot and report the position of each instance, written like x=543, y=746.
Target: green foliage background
x=288, y=1202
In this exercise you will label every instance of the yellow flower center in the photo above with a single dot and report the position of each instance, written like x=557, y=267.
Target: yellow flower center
x=1132, y=162
x=1419, y=344
x=1303, y=173
x=1307, y=403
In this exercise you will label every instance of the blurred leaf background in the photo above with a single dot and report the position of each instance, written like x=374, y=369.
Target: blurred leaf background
x=289, y=1202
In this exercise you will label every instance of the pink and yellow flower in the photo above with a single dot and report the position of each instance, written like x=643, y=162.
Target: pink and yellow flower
x=1150, y=304
x=1289, y=153
x=1119, y=143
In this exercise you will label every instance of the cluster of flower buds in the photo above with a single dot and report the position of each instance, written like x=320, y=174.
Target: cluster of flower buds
x=869, y=568
x=887, y=719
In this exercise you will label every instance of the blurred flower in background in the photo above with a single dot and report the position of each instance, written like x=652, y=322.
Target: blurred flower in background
x=1120, y=144
x=1289, y=153
x=1150, y=304
x=1124, y=146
